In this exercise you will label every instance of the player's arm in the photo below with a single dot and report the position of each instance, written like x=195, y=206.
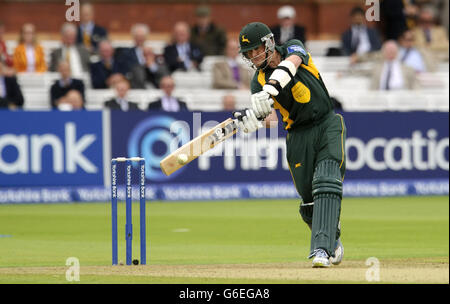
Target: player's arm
x=282, y=75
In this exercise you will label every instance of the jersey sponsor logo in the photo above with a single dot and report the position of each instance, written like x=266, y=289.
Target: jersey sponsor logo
x=243, y=39
x=296, y=48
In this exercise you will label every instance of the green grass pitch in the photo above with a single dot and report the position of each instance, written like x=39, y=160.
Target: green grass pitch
x=36, y=240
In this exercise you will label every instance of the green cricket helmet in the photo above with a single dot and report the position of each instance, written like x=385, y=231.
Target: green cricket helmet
x=253, y=35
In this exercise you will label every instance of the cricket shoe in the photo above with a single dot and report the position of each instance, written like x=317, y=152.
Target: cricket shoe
x=321, y=259
x=338, y=253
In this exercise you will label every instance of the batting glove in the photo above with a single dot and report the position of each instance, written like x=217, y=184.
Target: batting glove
x=247, y=121
x=262, y=104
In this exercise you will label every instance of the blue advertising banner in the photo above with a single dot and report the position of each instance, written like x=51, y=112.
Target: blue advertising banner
x=413, y=145
x=244, y=158
x=51, y=148
x=397, y=145
x=65, y=156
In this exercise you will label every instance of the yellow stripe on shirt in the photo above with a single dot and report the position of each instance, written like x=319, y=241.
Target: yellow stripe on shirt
x=276, y=104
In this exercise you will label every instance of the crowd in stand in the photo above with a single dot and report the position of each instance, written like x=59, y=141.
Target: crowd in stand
x=411, y=43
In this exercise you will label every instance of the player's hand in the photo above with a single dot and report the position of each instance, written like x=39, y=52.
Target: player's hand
x=262, y=104
x=247, y=121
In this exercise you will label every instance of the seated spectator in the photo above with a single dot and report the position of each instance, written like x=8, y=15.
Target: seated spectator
x=76, y=55
x=149, y=74
x=230, y=73
x=121, y=102
x=229, y=102
x=168, y=102
x=4, y=56
x=210, y=38
x=10, y=93
x=287, y=28
x=390, y=73
x=134, y=56
x=89, y=33
x=29, y=55
x=115, y=78
x=67, y=93
x=417, y=59
x=182, y=54
x=359, y=39
x=106, y=68
x=431, y=36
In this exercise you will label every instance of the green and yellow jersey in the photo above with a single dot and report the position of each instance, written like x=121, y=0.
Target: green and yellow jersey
x=305, y=100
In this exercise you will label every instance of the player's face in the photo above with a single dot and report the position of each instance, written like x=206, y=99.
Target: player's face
x=257, y=56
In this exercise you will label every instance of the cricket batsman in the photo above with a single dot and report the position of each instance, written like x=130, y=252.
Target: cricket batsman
x=286, y=79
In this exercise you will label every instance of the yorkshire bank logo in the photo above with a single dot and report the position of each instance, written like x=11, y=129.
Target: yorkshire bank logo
x=25, y=153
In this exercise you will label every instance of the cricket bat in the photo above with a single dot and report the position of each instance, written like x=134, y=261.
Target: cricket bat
x=199, y=145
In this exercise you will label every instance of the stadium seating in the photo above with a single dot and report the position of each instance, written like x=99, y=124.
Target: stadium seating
x=345, y=83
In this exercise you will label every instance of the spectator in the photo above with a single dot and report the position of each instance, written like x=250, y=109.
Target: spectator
x=115, y=78
x=359, y=39
x=106, y=68
x=90, y=34
x=391, y=74
x=134, y=56
x=182, y=54
x=120, y=102
x=229, y=102
x=393, y=18
x=431, y=36
x=67, y=93
x=149, y=74
x=76, y=55
x=210, y=38
x=411, y=12
x=4, y=56
x=287, y=28
x=10, y=93
x=230, y=73
x=29, y=55
x=168, y=102
x=419, y=60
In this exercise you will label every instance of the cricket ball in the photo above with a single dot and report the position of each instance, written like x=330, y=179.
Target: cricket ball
x=182, y=159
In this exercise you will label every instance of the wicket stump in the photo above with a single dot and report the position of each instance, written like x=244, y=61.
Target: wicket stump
x=128, y=209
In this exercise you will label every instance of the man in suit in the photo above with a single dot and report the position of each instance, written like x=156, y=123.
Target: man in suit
x=206, y=34
x=230, y=73
x=76, y=55
x=392, y=18
x=67, y=93
x=287, y=29
x=359, y=39
x=418, y=59
x=431, y=36
x=89, y=34
x=106, y=68
x=10, y=93
x=150, y=73
x=120, y=102
x=182, y=54
x=168, y=102
x=134, y=56
x=390, y=74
